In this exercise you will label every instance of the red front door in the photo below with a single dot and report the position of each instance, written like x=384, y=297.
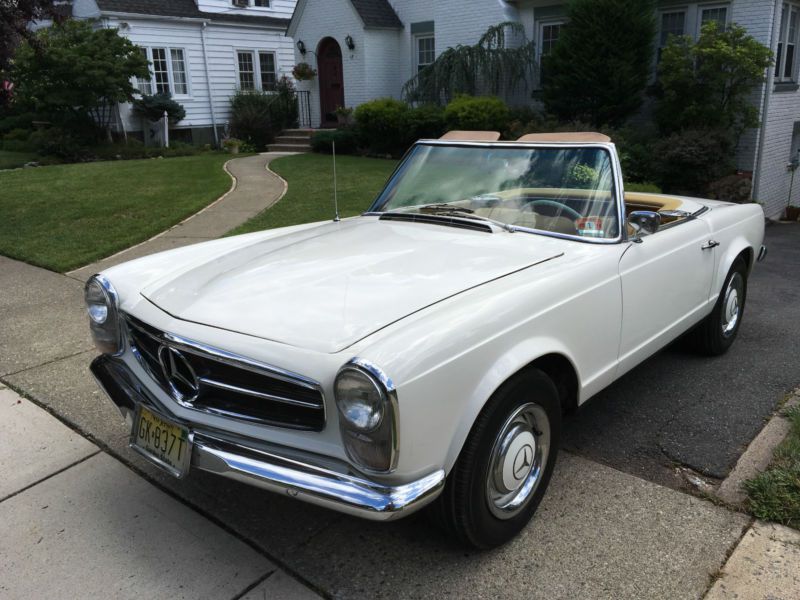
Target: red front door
x=331, y=80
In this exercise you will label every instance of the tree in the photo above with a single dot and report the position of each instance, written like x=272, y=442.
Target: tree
x=598, y=69
x=77, y=70
x=15, y=18
x=501, y=61
x=707, y=84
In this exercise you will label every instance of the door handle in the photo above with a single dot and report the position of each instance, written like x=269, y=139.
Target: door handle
x=709, y=244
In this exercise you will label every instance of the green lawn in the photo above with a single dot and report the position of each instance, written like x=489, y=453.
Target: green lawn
x=12, y=160
x=310, y=194
x=775, y=494
x=66, y=216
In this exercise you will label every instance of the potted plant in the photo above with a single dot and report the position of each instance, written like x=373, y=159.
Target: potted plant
x=232, y=145
x=303, y=71
x=343, y=115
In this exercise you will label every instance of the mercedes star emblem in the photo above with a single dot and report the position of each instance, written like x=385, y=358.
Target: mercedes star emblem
x=523, y=461
x=178, y=374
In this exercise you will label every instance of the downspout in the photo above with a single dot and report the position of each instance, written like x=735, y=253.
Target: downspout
x=208, y=83
x=767, y=93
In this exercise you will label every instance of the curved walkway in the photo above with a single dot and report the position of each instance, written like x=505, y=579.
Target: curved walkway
x=254, y=189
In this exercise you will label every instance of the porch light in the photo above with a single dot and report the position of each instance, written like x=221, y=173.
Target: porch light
x=301, y=46
x=350, y=43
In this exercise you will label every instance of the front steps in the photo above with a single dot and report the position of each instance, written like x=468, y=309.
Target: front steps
x=293, y=140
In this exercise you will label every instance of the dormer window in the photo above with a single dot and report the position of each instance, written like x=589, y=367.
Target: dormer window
x=246, y=3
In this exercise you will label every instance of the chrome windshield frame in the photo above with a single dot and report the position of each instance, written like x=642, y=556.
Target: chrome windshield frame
x=616, y=172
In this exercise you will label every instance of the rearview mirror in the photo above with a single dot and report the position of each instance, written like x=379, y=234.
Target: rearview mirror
x=645, y=220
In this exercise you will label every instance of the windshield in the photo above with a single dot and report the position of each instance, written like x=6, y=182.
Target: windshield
x=562, y=190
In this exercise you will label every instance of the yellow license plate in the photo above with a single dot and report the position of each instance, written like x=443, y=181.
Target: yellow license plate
x=163, y=442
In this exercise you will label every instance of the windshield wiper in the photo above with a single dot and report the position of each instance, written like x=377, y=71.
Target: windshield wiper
x=444, y=207
x=450, y=210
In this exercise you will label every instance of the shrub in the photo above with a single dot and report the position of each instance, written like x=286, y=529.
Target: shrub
x=251, y=118
x=690, y=160
x=477, y=113
x=650, y=188
x=153, y=108
x=598, y=70
x=426, y=122
x=64, y=143
x=636, y=154
x=707, y=84
x=731, y=188
x=283, y=108
x=346, y=141
x=382, y=126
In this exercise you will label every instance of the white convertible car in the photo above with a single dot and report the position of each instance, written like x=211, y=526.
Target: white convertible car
x=425, y=351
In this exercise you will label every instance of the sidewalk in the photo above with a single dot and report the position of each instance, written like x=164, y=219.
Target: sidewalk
x=120, y=527
x=76, y=523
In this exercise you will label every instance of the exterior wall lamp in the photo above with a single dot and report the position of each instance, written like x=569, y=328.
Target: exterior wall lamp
x=301, y=46
x=348, y=40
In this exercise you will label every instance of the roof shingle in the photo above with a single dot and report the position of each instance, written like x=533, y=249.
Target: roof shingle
x=184, y=8
x=377, y=13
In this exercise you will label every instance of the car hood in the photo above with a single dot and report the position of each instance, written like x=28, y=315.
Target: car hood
x=327, y=287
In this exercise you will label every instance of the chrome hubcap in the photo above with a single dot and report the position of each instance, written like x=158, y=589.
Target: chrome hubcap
x=731, y=309
x=518, y=457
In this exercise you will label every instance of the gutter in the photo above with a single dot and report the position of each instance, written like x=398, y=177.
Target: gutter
x=201, y=19
x=208, y=84
x=768, y=84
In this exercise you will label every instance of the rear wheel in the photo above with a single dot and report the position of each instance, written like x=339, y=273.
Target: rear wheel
x=718, y=331
x=506, y=463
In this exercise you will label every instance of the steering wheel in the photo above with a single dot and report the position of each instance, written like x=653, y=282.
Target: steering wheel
x=560, y=206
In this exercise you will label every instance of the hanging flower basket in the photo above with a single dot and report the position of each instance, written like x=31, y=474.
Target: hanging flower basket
x=303, y=72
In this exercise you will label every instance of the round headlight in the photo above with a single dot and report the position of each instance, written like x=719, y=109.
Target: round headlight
x=360, y=399
x=97, y=302
x=101, y=304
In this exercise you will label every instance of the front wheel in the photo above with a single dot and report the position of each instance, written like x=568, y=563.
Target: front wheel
x=503, y=470
x=718, y=331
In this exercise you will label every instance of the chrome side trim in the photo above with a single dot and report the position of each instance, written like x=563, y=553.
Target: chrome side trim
x=762, y=253
x=315, y=479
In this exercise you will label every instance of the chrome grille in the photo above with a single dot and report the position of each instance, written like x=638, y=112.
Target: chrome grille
x=230, y=385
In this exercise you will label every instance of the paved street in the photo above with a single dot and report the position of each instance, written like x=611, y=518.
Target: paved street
x=681, y=409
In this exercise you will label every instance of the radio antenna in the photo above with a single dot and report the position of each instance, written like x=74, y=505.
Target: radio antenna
x=335, y=199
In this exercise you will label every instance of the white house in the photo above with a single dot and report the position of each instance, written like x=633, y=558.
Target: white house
x=365, y=49
x=201, y=51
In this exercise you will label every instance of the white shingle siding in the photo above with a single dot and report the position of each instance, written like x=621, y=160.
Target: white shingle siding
x=222, y=41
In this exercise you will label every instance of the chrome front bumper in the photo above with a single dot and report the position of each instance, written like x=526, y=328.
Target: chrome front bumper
x=308, y=477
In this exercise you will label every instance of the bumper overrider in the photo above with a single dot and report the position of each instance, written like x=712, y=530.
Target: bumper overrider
x=300, y=475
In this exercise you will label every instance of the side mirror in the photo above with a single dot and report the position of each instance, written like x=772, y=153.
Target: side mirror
x=647, y=221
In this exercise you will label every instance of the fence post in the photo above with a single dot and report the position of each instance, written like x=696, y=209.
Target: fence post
x=165, y=119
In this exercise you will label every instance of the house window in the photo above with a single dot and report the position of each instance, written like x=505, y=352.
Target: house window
x=257, y=76
x=548, y=38
x=266, y=62
x=160, y=70
x=247, y=75
x=672, y=23
x=145, y=86
x=168, y=73
x=264, y=3
x=785, y=57
x=246, y=3
x=718, y=14
x=179, y=85
x=426, y=51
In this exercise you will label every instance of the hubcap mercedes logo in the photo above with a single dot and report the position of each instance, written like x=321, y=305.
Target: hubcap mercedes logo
x=523, y=461
x=178, y=374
